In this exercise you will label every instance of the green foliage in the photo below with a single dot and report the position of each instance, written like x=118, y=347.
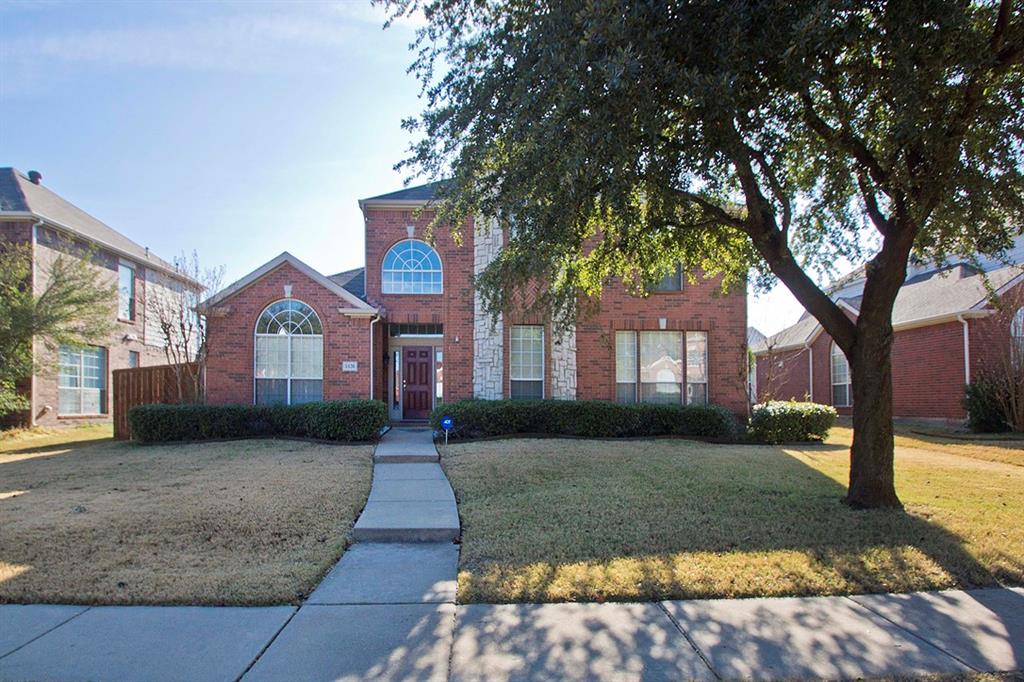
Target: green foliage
x=343, y=420
x=781, y=421
x=74, y=307
x=584, y=418
x=985, y=407
x=620, y=138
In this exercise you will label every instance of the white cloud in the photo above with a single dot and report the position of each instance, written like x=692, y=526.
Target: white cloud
x=244, y=42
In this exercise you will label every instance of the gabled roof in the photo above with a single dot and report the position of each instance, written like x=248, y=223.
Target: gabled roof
x=928, y=298
x=353, y=280
x=22, y=198
x=357, y=305
x=412, y=196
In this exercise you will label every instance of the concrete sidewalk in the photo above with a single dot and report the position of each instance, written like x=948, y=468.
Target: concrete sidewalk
x=422, y=635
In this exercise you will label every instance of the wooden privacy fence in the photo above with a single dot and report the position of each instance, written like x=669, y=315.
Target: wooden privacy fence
x=146, y=386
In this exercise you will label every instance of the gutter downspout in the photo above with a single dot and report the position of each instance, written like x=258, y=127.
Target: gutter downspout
x=375, y=320
x=967, y=348
x=810, y=371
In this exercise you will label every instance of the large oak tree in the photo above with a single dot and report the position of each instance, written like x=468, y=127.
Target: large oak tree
x=774, y=136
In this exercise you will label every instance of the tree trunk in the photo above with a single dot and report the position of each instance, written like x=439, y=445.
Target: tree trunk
x=871, y=456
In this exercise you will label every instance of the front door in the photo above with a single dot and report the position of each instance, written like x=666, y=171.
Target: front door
x=417, y=382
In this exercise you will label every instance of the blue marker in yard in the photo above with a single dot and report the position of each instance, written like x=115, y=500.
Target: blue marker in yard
x=447, y=423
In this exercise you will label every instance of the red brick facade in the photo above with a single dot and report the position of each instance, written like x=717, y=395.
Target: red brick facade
x=231, y=338
x=928, y=370
x=700, y=306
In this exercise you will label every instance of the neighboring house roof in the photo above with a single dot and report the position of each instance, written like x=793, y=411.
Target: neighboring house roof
x=22, y=198
x=354, y=280
x=418, y=195
x=927, y=298
x=357, y=305
x=754, y=336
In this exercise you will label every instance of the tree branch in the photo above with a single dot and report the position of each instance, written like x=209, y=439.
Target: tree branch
x=776, y=188
x=845, y=140
x=711, y=208
x=878, y=219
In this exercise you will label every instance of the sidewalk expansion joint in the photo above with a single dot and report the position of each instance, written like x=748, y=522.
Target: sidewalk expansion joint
x=43, y=634
x=693, y=644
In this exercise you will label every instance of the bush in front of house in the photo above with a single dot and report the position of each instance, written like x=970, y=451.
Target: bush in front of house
x=985, y=407
x=338, y=420
x=583, y=418
x=788, y=421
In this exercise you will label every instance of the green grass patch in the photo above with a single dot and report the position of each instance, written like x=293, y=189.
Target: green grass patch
x=557, y=520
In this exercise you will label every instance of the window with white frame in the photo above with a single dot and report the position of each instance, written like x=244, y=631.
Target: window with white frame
x=696, y=368
x=289, y=366
x=673, y=281
x=842, y=395
x=649, y=367
x=1017, y=330
x=411, y=267
x=625, y=367
x=81, y=381
x=526, y=362
x=125, y=292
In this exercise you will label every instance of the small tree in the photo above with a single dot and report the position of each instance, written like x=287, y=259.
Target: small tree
x=176, y=306
x=999, y=380
x=622, y=137
x=75, y=307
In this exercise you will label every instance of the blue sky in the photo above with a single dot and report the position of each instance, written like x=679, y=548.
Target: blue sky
x=238, y=129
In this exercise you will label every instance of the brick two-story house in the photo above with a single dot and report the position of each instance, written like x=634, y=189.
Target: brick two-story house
x=75, y=385
x=410, y=330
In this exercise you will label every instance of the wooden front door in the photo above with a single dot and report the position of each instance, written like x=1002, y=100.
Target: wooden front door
x=417, y=382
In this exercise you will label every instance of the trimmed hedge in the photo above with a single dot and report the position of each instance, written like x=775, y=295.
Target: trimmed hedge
x=342, y=420
x=584, y=418
x=781, y=421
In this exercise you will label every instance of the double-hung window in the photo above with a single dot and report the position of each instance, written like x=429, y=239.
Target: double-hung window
x=526, y=362
x=842, y=396
x=125, y=292
x=649, y=367
x=81, y=381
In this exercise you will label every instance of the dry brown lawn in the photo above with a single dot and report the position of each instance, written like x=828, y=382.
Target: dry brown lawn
x=578, y=520
x=242, y=522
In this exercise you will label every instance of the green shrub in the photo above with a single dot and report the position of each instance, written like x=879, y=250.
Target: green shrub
x=584, y=418
x=984, y=409
x=342, y=420
x=781, y=421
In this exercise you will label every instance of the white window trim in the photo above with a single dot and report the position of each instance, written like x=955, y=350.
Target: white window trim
x=289, y=378
x=543, y=360
x=849, y=377
x=80, y=389
x=686, y=380
x=440, y=270
x=132, y=312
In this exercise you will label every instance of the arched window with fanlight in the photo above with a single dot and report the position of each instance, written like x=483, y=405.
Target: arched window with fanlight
x=411, y=267
x=289, y=362
x=842, y=393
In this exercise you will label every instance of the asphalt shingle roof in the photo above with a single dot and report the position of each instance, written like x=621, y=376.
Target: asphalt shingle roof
x=353, y=281
x=425, y=192
x=942, y=292
x=20, y=195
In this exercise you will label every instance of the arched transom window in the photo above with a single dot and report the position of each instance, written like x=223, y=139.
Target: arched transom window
x=842, y=395
x=411, y=267
x=289, y=355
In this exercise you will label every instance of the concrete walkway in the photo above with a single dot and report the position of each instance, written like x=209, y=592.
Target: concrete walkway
x=387, y=611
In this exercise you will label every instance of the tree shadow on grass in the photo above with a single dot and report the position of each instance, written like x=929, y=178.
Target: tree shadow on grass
x=774, y=527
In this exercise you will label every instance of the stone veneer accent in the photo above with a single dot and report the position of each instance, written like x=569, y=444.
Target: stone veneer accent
x=488, y=359
x=563, y=365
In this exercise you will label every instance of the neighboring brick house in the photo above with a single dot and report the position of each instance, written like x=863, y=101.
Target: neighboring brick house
x=409, y=329
x=75, y=386
x=942, y=323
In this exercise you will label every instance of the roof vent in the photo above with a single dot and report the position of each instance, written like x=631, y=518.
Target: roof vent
x=35, y=177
